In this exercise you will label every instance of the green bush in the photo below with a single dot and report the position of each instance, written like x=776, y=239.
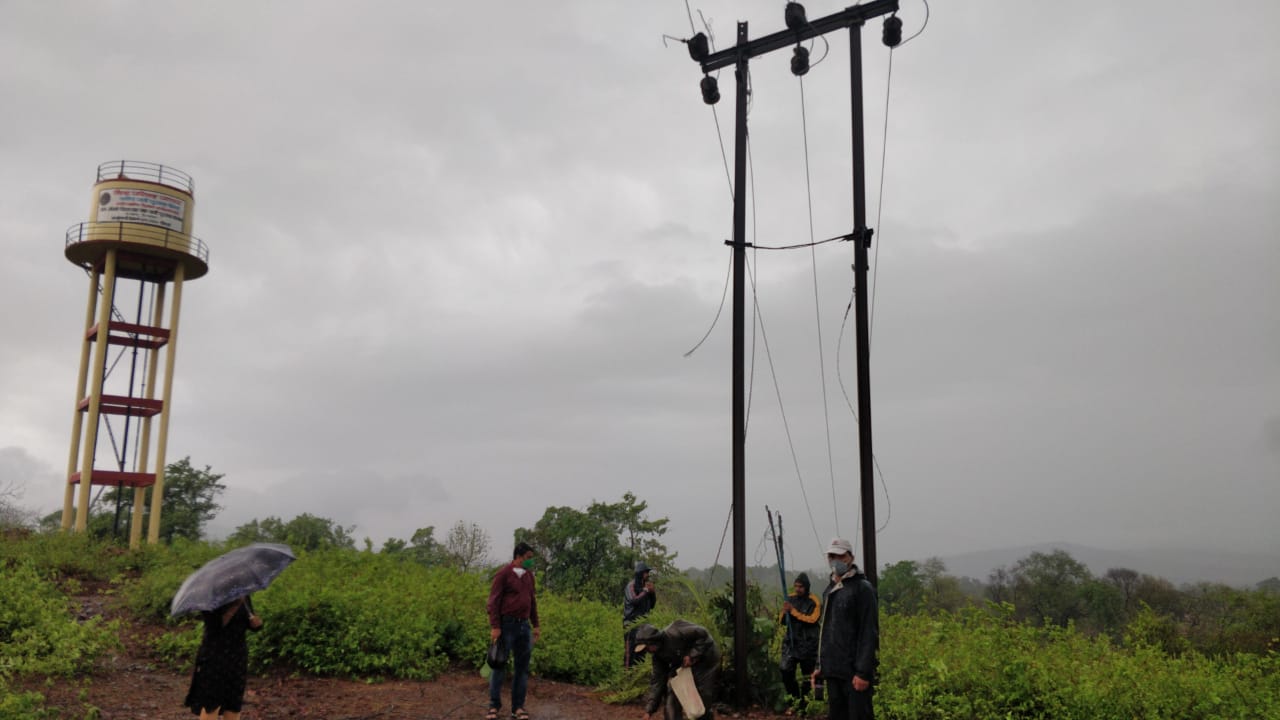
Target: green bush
x=60, y=555
x=39, y=633
x=977, y=664
x=22, y=705
x=385, y=617
x=581, y=642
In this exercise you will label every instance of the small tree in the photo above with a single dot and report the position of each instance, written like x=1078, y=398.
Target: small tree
x=11, y=514
x=1048, y=587
x=901, y=589
x=190, y=497
x=467, y=546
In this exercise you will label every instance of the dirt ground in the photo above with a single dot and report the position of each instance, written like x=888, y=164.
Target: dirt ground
x=132, y=684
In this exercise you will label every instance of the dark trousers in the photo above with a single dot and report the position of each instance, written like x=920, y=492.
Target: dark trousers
x=844, y=703
x=629, y=655
x=788, y=667
x=519, y=641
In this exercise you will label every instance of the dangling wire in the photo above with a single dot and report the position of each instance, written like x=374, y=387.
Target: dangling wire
x=817, y=305
x=723, y=534
x=795, y=460
x=719, y=310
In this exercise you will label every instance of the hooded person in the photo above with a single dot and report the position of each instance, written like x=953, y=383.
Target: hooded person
x=679, y=645
x=638, y=599
x=801, y=613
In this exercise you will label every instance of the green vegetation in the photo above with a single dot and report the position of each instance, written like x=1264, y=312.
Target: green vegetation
x=1049, y=640
x=978, y=664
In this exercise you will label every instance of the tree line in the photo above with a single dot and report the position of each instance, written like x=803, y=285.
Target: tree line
x=590, y=553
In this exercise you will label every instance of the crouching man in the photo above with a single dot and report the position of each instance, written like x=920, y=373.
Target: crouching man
x=679, y=645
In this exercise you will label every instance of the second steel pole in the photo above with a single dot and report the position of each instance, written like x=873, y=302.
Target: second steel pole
x=862, y=238
x=739, y=402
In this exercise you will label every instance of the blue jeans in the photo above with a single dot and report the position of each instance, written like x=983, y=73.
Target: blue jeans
x=519, y=640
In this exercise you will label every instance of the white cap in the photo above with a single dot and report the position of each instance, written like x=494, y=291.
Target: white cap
x=840, y=546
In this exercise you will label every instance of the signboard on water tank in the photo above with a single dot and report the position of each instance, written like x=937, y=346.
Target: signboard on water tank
x=135, y=205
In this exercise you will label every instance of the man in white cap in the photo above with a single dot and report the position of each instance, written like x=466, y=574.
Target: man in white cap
x=850, y=638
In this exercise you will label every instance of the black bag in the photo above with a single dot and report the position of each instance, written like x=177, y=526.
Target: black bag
x=497, y=657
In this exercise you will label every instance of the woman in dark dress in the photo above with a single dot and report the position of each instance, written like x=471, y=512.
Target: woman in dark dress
x=222, y=662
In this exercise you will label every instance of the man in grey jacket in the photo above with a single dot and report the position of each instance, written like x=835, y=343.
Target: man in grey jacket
x=850, y=638
x=638, y=598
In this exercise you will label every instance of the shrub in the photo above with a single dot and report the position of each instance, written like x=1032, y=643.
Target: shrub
x=38, y=631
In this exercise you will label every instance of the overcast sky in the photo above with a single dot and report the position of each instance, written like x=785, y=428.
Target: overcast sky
x=458, y=252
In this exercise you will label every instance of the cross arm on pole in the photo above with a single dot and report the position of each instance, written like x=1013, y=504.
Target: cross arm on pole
x=848, y=17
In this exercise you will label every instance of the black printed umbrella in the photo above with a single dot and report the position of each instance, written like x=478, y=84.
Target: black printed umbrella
x=229, y=576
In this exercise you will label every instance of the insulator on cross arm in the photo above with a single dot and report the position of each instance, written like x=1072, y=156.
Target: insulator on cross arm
x=800, y=61
x=710, y=90
x=795, y=16
x=892, y=31
x=699, y=47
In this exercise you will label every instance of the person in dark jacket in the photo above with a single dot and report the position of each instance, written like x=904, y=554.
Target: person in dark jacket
x=680, y=644
x=512, y=606
x=850, y=637
x=638, y=598
x=222, y=662
x=800, y=613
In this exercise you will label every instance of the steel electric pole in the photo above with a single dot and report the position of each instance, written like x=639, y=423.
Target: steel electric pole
x=799, y=29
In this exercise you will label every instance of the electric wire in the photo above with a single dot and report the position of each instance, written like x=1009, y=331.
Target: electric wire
x=817, y=303
x=801, y=246
x=844, y=391
x=723, y=534
x=724, y=293
x=795, y=461
x=875, y=260
x=922, y=27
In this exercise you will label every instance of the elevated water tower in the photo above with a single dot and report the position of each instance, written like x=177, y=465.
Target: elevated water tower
x=139, y=232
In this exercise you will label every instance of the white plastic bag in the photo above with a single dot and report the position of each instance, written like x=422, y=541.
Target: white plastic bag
x=687, y=693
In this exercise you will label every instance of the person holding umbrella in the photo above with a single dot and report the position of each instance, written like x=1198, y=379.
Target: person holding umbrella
x=219, y=591
x=222, y=662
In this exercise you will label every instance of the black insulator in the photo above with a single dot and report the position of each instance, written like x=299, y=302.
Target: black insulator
x=699, y=47
x=794, y=15
x=710, y=90
x=800, y=61
x=892, y=31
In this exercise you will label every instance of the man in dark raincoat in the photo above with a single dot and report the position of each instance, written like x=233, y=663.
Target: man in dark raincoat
x=638, y=598
x=850, y=638
x=800, y=613
x=680, y=644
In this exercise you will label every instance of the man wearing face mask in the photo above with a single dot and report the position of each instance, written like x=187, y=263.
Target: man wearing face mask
x=512, y=606
x=850, y=638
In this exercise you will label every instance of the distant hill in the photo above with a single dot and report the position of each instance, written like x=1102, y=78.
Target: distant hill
x=1179, y=567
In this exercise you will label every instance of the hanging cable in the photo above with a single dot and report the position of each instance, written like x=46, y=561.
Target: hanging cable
x=723, y=534
x=844, y=391
x=884, y=143
x=795, y=460
x=719, y=310
x=817, y=303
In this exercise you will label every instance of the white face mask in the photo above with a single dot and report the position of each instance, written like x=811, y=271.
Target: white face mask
x=839, y=567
